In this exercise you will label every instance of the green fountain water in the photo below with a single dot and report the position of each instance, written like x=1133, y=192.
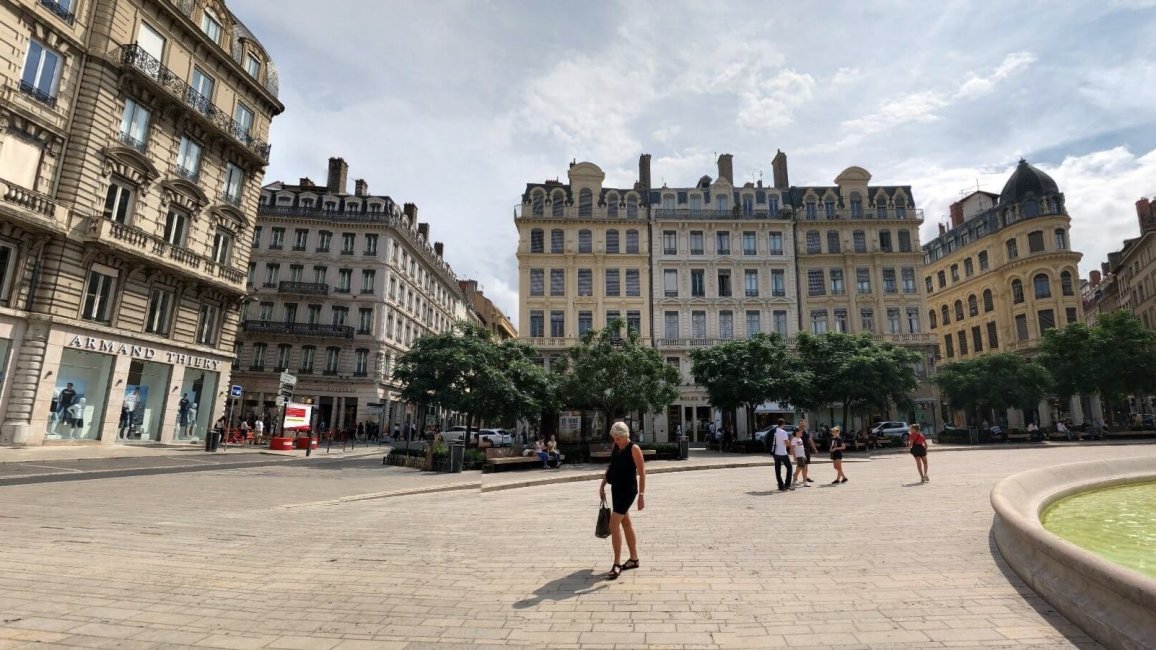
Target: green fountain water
x=1117, y=523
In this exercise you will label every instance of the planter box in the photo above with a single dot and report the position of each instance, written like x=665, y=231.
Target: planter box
x=281, y=444
x=301, y=442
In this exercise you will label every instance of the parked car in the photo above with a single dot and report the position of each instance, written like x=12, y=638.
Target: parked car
x=893, y=430
x=491, y=438
x=457, y=434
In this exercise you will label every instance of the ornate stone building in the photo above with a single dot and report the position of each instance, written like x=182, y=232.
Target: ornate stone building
x=489, y=314
x=132, y=146
x=1004, y=274
x=723, y=269
x=342, y=284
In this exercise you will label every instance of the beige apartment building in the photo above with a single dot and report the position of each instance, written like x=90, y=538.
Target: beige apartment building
x=341, y=286
x=1003, y=274
x=132, y=147
x=723, y=269
x=487, y=313
x=859, y=258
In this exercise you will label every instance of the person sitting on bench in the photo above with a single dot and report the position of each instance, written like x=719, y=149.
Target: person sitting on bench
x=543, y=455
x=552, y=452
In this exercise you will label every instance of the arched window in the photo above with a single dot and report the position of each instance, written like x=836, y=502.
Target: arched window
x=557, y=240
x=538, y=204
x=612, y=241
x=1017, y=292
x=958, y=310
x=537, y=241
x=1042, y=285
x=813, y=241
x=632, y=207
x=856, y=206
x=558, y=201
x=584, y=242
x=1066, y=283
x=1061, y=239
x=832, y=241
x=612, y=205
x=585, y=203
x=988, y=301
x=972, y=306
x=946, y=315
x=931, y=318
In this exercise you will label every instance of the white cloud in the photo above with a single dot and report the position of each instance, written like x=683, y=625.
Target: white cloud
x=770, y=105
x=845, y=75
x=977, y=86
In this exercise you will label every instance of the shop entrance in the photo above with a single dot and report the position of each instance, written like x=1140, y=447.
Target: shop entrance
x=143, y=405
x=198, y=388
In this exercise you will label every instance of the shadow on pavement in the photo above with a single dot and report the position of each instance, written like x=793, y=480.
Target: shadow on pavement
x=581, y=582
x=764, y=493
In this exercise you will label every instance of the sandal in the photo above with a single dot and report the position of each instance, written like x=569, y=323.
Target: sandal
x=615, y=571
x=629, y=564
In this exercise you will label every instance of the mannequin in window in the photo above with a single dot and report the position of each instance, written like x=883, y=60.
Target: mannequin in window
x=75, y=419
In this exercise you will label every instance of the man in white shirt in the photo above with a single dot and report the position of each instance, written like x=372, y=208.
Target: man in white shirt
x=782, y=456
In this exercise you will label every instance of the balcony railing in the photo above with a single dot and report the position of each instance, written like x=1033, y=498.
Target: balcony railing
x=231, y=199
x=131, y=142
x=298, y=329
x=307, y=288
x=61, y=12
x=688, y=343
x=151, y=247
x=906, y=339
x=908, y=214
x=190, y=175
x=135, y=56
x=29, y=200
x=37, y=94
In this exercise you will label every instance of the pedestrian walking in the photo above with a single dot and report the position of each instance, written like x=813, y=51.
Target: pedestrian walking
x=838, y=446
x=800, y=449
x=918, y=445
x=782, y=456
x=808, y=446
x=626, y=475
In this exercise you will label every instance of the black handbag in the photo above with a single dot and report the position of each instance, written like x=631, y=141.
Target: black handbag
x=602, y=529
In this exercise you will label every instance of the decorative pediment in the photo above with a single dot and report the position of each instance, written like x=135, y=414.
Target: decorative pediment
x=229, y=217
x=130, y=165
x=182, y=194
x=50, y=140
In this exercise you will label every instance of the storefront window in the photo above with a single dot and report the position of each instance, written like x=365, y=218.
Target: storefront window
x=80, y=395
x=143, y=408
x=5, y=345
x=198, y=390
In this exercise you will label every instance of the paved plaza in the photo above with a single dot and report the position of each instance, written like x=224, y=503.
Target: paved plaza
x=290, y=556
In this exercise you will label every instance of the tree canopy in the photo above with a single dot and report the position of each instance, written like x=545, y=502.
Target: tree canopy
x=615, y=374
x=744, y=373
x=993, y=381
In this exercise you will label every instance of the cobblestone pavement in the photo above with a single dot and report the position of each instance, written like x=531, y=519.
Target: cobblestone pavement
x=273, y=557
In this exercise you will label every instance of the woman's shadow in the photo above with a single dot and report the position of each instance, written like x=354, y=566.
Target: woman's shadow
x=578, y=583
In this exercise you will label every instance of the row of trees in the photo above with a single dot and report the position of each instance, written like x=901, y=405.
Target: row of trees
x=1114, y=358
x=862, y=374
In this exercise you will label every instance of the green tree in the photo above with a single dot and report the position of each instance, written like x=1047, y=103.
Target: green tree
x=857, y=371
x=1123, y=357
x=746, y=373
x=1068, y=355
x=993, y=382
x=613, y=374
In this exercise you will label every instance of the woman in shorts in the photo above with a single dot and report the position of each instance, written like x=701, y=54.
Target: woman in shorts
x=918, y=445
x=838, y=446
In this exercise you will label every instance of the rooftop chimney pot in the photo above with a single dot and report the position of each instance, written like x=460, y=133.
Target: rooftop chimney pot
x=338, y=173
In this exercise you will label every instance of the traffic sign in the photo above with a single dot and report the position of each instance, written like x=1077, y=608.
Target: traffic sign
x=235, y=391
x=288, y=379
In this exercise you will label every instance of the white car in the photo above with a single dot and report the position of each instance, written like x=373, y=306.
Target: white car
x=492, y=438
x=761, y=436
x=892, y=429
x=456, y=434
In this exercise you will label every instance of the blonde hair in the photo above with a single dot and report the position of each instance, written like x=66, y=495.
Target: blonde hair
x=916, y=427
x=835, y=430
x=620, y=430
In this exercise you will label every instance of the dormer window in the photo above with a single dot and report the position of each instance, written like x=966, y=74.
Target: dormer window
x=211, y=26
x=284, y=200
x=252, y=65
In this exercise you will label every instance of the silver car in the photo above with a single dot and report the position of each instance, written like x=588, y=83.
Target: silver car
x=892, y=429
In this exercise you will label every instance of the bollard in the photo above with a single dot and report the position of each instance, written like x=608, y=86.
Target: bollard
x=309, y=446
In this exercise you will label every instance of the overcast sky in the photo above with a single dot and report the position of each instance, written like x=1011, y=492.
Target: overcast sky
x=456, y=105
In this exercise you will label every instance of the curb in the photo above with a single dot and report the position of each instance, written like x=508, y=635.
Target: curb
x=452, y=487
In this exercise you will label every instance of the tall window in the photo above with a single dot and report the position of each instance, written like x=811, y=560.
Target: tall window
x=946, y=315
x=815, y=283
x=669, y=284
x=812, y=212
x=697, y=247
x=972, y=305
x=234, y=181
x=670, y=324
x=867, y=319
x=780, y=317
x=992, y=336
x=889, y=281
x=859, y=240
x=988, y=301
x=284, y=351
x=300, y=238
x=368, y=280
x=557, y=203
x=613, y=282
x=585, y=203
x=698, y=324
x=332, y=359
x=557, y=282
x=893, y=324
x=977, y=339
x=863, y=281
x=585, y=322
x=252, y=65
x=778, y=282
x=829, y=209
x=537, y=323
x=557, y=323
x=324, y=240
x=958, y=310
x=931, y=320
x=176, y=228
x=908, y=275
x=134, y=124
x=955, y=273
x=813, y=242
x=633, y=283
x=258, y=361
x=361, y=363
x=751, y=282
x=536, y=242
x=611, y=241
x=208, y=324
x=753, y=325
x=537, y=282
x=724, y=283
x=189, y=158
x=585, y=282
x=904, y=241
x=819, y=321
x=118, y=201
x=832, y=241
x=983, y=263
x=340, y=316
x=723, y=242
x=344, y=280
x=968, y=268
x=222, y=247
x=669, y=242
x=949, y=346
x=1042, y=285
x=885, y=241
x=1017, y=288
x=348, y=241
x=1066, y=283
x=1061, y=239
x=749, y=245
x=841, y=320
x=726, y=325
x=837, y=288
x=697, y=283
x=585, y=241
x=202, y=90
x=776, y=243
x=557, y=240
x=41, y=72
x=1047, y=320
x=632, y=242
x=211, y=26
x=159, y=311
x=962, y=338
x=371, y=244
x=1013, y=250
x=856, y=206
x=365, y=320
x=1036, y=242
x=612, y=205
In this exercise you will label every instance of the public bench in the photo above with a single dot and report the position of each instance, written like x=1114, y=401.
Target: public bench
x=511, y=457
x=602, y=450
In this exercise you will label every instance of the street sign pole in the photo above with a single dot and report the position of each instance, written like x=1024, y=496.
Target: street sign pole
x=229, y=422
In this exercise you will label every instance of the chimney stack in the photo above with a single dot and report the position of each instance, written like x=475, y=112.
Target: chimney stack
x=942, y=229
x=423, y=230
x=1146, y=214
x=957, y=214
x=439, y=248
x=779, y=168
x=410, y=211
x=726, y=168
x=338, y=173
x=1095, y=278
x=305, y=182
x=1105, y=269
x=360, y=187
x=644, y=172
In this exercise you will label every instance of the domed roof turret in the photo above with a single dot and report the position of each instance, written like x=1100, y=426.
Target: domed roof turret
x=1027, y=180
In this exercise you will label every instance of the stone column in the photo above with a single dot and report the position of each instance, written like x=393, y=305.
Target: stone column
x=26, y=381
x=1077, y=410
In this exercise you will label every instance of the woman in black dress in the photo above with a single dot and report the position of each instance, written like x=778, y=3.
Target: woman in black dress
x=627, y=478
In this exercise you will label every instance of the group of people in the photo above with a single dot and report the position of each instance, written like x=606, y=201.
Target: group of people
x=800, y=446
x=547, y=451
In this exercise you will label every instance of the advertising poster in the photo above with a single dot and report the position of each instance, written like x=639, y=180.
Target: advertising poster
x=298, y=416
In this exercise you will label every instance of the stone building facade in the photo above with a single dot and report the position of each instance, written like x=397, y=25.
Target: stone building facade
x=488, y=314
x=341, y=285
x=1003, y=274
x=132, y=147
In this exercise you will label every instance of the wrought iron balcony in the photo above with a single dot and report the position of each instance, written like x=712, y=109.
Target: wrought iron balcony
x=307, y=288
x=298, y=329
x=63, y=13
x=37, y=94
x=136, y=57
x=906, y=339
x=188, y=174
x=131, y=142
x=231, y=199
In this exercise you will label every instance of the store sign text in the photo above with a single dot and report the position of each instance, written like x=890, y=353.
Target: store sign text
x=141, y=352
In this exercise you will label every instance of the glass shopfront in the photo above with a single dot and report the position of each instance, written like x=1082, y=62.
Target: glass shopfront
x=142, y=410
x=78, y=400
x=198, y=390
